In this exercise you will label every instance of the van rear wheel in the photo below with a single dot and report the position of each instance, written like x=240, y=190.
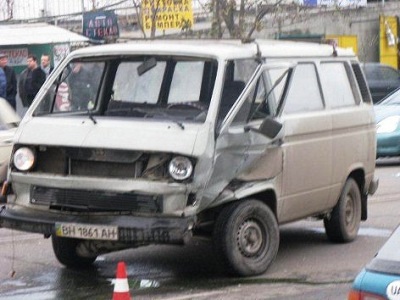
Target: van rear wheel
x=65, y=252
x=246, y=237
x=344, y=222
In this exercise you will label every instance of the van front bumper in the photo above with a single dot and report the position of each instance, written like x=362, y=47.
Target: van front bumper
x=131, y=229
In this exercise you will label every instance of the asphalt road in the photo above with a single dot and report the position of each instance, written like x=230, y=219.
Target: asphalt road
x=307, y=266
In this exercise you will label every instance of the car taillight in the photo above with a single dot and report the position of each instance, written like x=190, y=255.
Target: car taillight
x=358, y=295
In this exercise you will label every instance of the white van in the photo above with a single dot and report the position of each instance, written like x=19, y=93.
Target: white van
x=160, y=141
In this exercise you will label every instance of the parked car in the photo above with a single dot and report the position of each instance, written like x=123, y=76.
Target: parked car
x=387, y=115
x=380, y=278
x=9, y=121
x=382, y=80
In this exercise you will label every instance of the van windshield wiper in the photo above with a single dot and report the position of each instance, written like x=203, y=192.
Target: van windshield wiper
x=148, y=114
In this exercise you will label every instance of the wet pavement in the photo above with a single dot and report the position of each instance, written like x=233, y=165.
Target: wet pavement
x=307, y=265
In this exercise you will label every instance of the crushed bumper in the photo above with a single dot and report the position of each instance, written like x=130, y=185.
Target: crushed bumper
x=131, y=229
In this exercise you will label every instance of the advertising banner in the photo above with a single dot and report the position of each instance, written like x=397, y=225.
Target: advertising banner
x=169, y=14
x=16, y=56
x=100, y=25
x=60, y=52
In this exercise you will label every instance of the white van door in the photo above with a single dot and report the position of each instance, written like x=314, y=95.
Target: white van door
x=248, y=144
x=307, y=146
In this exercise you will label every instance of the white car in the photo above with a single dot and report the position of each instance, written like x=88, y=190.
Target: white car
x=9, y=121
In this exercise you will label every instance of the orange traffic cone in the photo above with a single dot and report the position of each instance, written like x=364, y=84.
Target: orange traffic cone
x=121, y=287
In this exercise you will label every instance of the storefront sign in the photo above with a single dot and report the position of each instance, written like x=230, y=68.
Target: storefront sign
x=16, y=56
x=100, y=25
x=168, y=14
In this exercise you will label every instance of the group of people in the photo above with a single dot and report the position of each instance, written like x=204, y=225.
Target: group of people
x=30, y=80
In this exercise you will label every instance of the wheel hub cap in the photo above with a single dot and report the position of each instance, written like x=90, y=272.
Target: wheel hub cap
x=250, y=238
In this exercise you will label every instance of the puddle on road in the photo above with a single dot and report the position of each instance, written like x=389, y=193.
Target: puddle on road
x=138, y=284
x=375, y=232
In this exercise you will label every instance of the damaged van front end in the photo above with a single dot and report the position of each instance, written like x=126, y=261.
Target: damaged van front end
x=119, y=151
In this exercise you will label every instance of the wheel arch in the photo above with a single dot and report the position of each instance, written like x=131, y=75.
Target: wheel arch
x=267, y=197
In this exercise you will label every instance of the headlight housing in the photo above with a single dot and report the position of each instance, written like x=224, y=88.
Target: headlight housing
x=24, y=159
x=388, y=125
x=180, y=168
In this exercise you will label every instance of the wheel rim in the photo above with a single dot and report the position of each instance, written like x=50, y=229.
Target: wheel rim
x=250, y=238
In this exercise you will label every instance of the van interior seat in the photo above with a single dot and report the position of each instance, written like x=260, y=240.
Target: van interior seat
x=230, y=93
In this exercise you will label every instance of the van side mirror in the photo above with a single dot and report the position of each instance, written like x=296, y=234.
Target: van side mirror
x=269, y=127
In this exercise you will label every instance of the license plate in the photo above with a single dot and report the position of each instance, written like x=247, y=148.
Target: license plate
x=86, y=231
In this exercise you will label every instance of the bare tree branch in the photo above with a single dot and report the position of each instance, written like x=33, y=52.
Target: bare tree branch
x=260, y=15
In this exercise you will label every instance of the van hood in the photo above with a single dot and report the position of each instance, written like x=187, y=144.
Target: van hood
x=166, y=136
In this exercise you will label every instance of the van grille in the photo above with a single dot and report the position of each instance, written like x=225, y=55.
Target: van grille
x=84, y=200
x=104, y=163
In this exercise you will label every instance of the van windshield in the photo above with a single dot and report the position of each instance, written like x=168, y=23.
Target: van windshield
x=178, y=88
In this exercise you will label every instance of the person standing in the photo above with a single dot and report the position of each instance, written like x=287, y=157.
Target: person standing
x=3, y=84
x=45, y=64
x=11, y=79
x=31, y=80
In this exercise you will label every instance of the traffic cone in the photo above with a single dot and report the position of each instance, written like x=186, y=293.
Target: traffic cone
x=121, y=287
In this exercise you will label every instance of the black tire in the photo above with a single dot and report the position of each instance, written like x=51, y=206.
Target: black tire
x=344, y=222
x=65, y=252
x=246, y=237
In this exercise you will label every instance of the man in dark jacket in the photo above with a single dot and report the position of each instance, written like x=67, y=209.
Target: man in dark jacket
x=11, y=79
x=31, y=79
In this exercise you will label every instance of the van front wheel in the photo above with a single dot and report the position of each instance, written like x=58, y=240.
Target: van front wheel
x=65, y=252
x=343, y=223
x=246, y=237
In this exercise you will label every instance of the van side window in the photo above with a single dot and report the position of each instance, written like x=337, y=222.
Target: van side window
x=304, y=93
x=365, y=94
x=336, y=83
x=237, y=74
x=261, y=106
x=263, y=99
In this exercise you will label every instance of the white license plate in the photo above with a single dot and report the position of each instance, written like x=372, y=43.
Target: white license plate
x=84, y=231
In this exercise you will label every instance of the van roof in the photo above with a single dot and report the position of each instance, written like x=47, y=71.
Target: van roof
x=220, y=49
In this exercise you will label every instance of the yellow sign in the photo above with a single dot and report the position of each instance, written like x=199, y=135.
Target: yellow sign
x=168, y=14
